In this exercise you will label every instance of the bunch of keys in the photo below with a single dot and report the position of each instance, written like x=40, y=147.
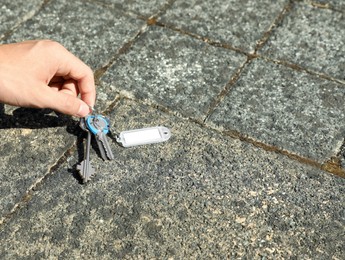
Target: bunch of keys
x=98, y=126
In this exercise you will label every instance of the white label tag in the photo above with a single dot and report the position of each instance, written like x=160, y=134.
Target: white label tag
x=144, y=136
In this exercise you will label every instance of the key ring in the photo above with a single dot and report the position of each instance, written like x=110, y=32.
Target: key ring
x=96, y=122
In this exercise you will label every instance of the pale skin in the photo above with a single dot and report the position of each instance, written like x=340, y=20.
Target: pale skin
x=43, y=74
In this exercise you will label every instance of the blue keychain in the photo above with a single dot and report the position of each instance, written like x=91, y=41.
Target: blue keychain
x=97, y=123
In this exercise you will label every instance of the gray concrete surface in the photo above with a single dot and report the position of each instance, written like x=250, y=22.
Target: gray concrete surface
x=253, y=93
x=303, y=40
x=289, y=109
x=81, y=27
x=173, y=70
x=11, y=16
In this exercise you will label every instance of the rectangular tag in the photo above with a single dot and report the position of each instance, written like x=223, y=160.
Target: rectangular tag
x=142, y=136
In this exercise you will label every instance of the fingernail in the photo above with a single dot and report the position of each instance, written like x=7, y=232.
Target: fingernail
x=83, y=110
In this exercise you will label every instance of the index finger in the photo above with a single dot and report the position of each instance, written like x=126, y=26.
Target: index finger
x=71, y=67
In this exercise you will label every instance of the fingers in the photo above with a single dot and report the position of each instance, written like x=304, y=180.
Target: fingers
x=71, y=78
x=67, y=86
x=70, y=67
x=28, y=68
x=65, y=102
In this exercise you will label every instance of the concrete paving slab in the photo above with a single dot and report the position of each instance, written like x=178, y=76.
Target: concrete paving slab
x=147, y=10
x=32, y=141
x=199, y=195
x=202, y=194
x=173, y=70
x=292, y=110
x=92, y=32
x=240, y=25
x=12, y=13
x=312, y=38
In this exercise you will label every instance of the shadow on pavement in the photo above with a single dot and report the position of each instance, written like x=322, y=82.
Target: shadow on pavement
x=33, y=118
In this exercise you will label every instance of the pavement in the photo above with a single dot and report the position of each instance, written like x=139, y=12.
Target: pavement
x=253, y=93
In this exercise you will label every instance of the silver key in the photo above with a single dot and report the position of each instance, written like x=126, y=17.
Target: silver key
x=85, y=168
x=103, y=146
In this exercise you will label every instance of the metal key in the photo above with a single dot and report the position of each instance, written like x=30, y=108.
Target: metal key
x=85, y=168
x=99, y=126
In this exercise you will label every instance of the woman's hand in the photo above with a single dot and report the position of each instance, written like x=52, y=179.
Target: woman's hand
x=43, y=74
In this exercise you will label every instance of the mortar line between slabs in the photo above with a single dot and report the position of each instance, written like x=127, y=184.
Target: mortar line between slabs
x=282, y=15
x=327, y=166
x=255, y=55
x=331, y=165
x=342, y=148
x=26, y=18
x=35, y=185
x=300, y=68
x=276, y=22
x=228, y=86
x=40, y=181
x=123, y=49
x=127, y=45
x=207, y=40
x=152, y=22
x=327, y=6
x=279, y=19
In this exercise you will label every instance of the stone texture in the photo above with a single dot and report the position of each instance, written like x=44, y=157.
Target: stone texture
x=92, y=32
x=199, y=195
x=31, y=142
x=148, y=9
x=332, y=4
x=289, y=109
x=240, y=25
x=202, y=194
x=12, y=13
x=173, y=70
x=312, y=38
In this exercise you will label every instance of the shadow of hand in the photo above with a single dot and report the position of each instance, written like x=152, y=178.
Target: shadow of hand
x=33, y=118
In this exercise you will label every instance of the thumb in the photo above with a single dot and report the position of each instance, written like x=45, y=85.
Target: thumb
x=67, y=104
